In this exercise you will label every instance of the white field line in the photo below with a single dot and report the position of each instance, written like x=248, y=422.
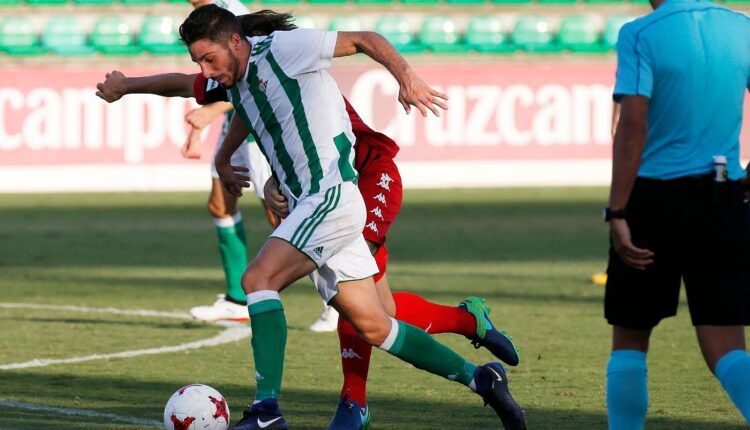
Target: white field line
x=79, y=412
x=232, y=333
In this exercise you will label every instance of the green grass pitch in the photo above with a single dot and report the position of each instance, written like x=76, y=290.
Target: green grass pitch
x=530, y=252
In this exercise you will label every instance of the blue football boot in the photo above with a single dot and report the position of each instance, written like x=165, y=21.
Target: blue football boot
x=265, y=415
x=350, y=415
x=499, y=343
x=492, y=384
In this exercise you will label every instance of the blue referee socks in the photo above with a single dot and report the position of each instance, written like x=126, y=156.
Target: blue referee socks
x=733, y=371
x=627, y=390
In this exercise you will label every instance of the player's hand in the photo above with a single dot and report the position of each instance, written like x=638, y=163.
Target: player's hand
x=113, y=87
x=200, y=117
x=415, y=92
x=231, y=179
x=633, y=256
x=275, y=201
x=191, y=149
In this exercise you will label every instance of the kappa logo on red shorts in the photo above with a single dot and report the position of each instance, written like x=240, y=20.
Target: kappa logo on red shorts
x=374, y=227
x=381, y=198
x=378, y=212
x=385, y=181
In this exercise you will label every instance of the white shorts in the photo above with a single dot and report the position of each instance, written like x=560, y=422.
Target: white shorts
x=327, y=227
x=248, y=155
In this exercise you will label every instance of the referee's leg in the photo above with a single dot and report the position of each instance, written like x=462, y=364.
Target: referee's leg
x=723, y=348
x=627, y=389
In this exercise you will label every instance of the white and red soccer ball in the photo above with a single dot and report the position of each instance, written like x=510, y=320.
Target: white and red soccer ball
x=196, y=407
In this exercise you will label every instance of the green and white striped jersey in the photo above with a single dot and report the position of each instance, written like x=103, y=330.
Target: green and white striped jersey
x=295, y=110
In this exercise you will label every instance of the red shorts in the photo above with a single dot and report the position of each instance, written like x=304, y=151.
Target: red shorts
x=380, y=185
x=381, y=259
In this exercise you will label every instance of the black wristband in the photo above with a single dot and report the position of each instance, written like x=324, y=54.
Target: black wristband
x=609, y=214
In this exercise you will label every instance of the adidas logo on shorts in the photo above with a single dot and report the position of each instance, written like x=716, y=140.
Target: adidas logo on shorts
x=318, y=251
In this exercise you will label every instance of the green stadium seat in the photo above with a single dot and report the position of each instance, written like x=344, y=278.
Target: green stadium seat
x=345, y=23
x=139, y=2
x=466, y=2
x=420, y=2
x=604, y=1
x=46, y=2
x=612, y=29
x=510, y=2
x=326, y=2
x=399, y=32
x=374, y=2
x=7, y=3
x=485, y=33
x=94, y=2
x=533, y=33
x=64, y=35
x=17, y=37
x=158, y=35
x=579, y=33
x=561, y=2
x=284, y=2
x=112, y=36
x=439, y=35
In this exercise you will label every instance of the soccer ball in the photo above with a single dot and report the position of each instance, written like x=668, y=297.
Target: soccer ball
x=196, y=407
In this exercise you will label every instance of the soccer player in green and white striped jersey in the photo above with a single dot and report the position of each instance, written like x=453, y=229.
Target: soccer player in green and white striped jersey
x=284, y=97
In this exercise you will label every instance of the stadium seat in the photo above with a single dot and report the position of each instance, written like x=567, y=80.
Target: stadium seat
x=112, y=36
x=158, y=35
x=275, y=2
x=64, y=35
x=420, y=2
x=5, y=3
x=139, y=2
x=485, y=33
x=612, y=29
x=510, y=2
x=561, y=2
x=46, y=2
x=374, y=2
x=439, y=35
x=579, y=33
x=326, y=2
x=466, y=2
x=17, y=37
x=94, y=2
x=345, y=23
x=399, y=32
x=533, y=33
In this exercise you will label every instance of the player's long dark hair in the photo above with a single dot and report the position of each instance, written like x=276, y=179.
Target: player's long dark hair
x=265, y=22
x=218, y=24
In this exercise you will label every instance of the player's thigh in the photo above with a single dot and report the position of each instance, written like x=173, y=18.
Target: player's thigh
x=382, y=191
x=359, y=302
x=277, y=265
x=386, y=295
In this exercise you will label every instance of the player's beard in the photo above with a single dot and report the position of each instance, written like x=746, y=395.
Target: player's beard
x=234, y=68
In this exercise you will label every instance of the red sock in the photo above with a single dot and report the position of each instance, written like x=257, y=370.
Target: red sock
x=355, y=362
x=431, y=317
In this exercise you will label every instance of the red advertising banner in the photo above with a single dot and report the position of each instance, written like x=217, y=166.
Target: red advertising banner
x=544, y=111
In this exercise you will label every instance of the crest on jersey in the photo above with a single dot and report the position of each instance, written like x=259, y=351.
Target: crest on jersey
x=262, y=85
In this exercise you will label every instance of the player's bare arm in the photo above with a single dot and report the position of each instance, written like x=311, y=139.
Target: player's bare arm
x=630, y=140
x=202, y=116
x=413, y=91
x=117, y=85
x=233, y=182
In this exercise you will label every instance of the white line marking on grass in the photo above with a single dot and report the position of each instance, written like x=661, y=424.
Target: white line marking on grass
x=232, y=333
x=79, y=412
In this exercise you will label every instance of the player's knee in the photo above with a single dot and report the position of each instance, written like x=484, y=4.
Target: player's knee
x=216, y=208
x=253, y=280
x=374, y=333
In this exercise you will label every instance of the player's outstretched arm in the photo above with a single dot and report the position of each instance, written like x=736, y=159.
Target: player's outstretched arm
x=117, y=85
x=202, y=116
x=229, y=175
x=413, y=90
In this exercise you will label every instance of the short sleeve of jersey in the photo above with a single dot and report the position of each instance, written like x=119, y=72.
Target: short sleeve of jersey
x=634, y=65
x=303, y=50
x=208, y=91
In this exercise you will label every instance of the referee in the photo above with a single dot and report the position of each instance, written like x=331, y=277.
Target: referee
x=677, y=208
